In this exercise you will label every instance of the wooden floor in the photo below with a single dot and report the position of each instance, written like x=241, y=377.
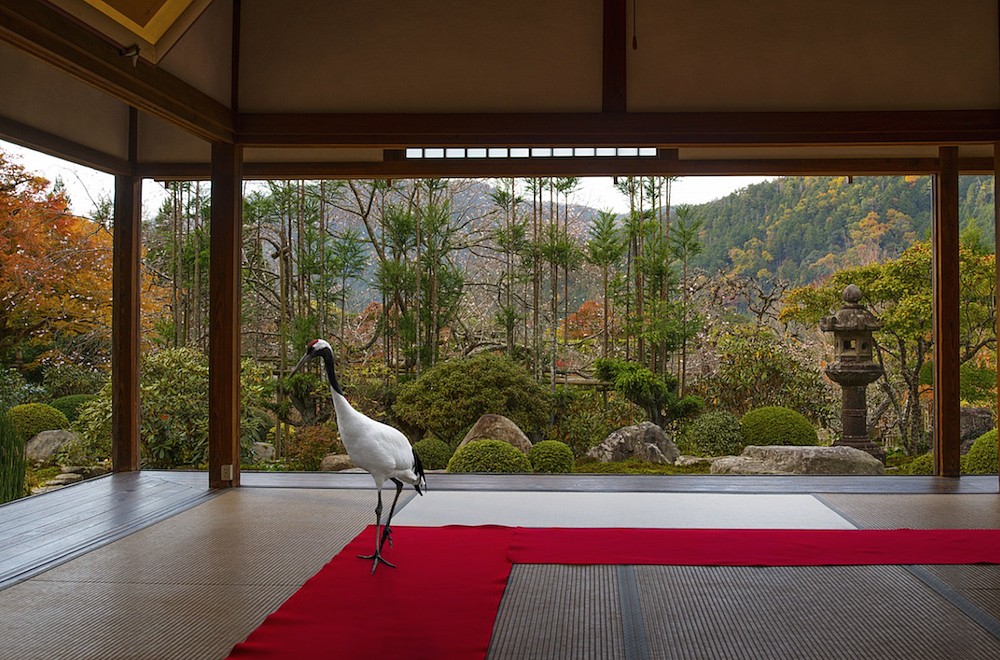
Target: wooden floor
x=156, y=565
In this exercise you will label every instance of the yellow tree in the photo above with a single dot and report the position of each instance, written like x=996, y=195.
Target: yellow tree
x=55, y=268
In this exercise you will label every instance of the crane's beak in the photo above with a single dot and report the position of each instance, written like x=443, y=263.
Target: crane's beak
x=305, y=358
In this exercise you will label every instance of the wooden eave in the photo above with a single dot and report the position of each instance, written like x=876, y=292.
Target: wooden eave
x=391, y=130
x=61, y=41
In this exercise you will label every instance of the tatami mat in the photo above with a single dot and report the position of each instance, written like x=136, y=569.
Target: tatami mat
x=560, y=612
x=562, y=509
x=192, y=585
x=188, y=587
x=917, y=511
x=707, y=612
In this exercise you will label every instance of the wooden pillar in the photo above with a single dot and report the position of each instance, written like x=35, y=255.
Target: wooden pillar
x=996, y=267
x=224, y=317
x=947, y=401
x=125, y=278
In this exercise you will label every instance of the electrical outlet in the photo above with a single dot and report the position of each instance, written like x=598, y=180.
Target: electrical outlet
x=227, y=472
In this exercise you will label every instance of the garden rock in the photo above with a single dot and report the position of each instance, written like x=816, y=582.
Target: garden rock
x=262, y=452
x=691, y=461
x=799, y=460
x=336, y=463
x=973, y=422
x=43, y=447
x=646, y=441
x=497, y=427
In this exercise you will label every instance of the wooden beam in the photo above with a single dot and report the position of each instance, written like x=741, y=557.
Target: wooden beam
x=614, y=95
x=398, y=131
x=513, y=167
x=226, y=241
x=53, y=145
x=945, y=246
x=54, y=37
x=125, y=326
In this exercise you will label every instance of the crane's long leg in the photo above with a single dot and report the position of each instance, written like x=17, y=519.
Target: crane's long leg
x=387, y=530
x=377, y=556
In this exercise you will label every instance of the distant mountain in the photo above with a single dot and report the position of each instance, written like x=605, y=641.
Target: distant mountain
x=803, y=228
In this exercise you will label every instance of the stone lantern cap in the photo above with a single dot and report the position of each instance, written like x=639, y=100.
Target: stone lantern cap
x=852, y=317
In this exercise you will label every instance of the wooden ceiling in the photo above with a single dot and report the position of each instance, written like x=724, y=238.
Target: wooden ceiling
x=324, y=88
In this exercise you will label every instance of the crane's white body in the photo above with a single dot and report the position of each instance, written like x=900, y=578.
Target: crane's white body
x=377, y=448
x=381, y=450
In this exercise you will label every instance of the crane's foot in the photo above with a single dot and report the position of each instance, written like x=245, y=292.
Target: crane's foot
x=386, y=536
x=376, y=560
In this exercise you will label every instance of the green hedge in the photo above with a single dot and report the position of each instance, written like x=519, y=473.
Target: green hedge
x=775, y=425
x=982, y=456
x=551, y=456
x=493, y=456
x=434, y=453
x=714, y=434
x=71, y=404
x=30, y=419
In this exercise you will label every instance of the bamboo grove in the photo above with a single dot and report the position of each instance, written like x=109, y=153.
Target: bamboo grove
x=404, y=274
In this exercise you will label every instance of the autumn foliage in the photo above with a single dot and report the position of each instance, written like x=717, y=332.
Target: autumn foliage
x=55, y=268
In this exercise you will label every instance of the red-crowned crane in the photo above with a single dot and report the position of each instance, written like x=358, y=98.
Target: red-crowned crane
x=384, y=452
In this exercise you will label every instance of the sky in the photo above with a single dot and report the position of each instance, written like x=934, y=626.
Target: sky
x=85, y=186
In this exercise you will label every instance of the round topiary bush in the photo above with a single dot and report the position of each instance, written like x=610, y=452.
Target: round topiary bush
x=71, y=404
x=434, y=453
x=449, y=397
x=551, y=456
x=715, y=434
x=493, y=456
x=982, y=456
x=774, y=425
x=923, y=464
x=30, y=419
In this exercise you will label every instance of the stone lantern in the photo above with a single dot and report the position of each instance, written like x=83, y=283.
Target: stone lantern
x=854, y=367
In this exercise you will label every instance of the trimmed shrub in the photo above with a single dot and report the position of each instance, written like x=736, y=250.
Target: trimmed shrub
x=493, y=456
x=774, y=425
x=12, y=461
x=71, y=404
x=714, y=434
x=551, y=456
x=449, y=397
x=923, y=464
x=434, y=453
x=30, y=419
x=982, y=456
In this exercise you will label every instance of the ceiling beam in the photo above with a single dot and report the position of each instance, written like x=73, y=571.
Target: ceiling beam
x=620, y=129
x=491, y=168
x=53, y=37
x=59, y=147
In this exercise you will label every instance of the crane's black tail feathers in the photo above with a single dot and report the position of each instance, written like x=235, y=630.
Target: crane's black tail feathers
x=418, y=469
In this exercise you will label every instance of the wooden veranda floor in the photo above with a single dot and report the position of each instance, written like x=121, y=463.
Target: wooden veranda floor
x=156, y=565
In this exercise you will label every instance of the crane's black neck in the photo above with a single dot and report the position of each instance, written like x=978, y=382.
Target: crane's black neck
x=331, y=374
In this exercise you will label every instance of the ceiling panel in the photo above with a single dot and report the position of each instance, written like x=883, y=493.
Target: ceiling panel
x=429, y=56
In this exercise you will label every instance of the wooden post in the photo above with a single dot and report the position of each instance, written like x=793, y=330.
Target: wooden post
x=224, y=317
x=947, y=401
x=126, y=271
x=996, y=265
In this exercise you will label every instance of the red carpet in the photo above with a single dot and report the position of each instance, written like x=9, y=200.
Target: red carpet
x=442, y=599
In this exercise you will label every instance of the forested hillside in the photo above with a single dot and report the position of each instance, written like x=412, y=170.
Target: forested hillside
x=805, y=228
